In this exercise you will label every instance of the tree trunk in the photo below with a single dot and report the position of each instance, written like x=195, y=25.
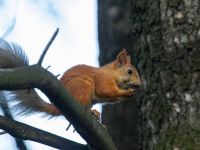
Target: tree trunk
x=164, y=38
x=166, y=34
x=114, y=34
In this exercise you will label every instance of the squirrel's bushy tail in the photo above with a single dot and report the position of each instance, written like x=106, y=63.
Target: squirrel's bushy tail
x=28, y=101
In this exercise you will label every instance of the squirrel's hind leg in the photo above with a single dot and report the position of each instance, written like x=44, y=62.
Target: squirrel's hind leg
x=81, y=88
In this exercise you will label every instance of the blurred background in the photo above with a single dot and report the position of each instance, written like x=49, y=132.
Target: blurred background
x=162, y=38
x=31, y=23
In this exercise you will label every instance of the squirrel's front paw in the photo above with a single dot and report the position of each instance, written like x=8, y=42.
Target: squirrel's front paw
x=129, y=92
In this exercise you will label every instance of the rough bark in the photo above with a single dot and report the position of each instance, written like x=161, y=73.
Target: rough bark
x=166, y=34
x=165, y=43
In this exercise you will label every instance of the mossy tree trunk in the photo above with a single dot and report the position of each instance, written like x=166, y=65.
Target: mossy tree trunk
x=164, y=39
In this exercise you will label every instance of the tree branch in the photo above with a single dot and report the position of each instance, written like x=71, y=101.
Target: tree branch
x=26, y=132
x=37, y=77
x=13, y=19
x=47, y=47
x=4, y=106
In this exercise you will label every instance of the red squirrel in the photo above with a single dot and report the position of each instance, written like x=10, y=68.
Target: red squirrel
x=88, y=85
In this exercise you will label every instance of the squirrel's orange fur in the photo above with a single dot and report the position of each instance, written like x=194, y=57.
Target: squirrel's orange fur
x=88, y=85
x=109, y=83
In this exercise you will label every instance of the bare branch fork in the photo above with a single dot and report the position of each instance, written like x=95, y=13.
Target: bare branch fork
x=24, y=132
x=37, y=77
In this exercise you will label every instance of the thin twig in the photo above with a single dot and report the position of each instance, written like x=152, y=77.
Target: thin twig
x=37, y=77
x=5, y=108
x=13, y=19
x=10, y=28
x=47, y=47
x=68, y=126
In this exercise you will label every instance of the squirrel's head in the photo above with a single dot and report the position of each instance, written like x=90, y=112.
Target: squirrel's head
x=126, y=75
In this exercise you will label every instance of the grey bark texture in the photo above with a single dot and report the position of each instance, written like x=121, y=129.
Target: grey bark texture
x=164, y=42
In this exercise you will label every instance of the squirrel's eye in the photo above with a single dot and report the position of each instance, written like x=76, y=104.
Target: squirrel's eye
x=129, y=71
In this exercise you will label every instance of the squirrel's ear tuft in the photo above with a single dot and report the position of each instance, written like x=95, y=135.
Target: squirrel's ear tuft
x=122, y=58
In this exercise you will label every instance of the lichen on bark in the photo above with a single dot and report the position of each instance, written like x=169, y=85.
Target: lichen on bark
x=167, y=34
x=164, y=43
